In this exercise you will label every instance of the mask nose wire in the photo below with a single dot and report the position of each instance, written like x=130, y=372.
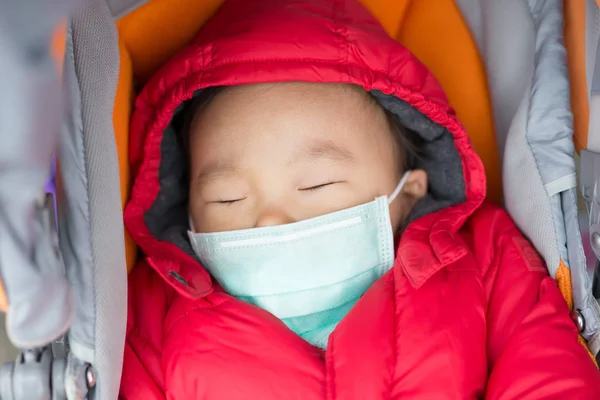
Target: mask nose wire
x=399, y=187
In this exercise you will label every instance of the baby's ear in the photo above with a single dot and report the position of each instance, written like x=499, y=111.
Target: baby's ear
x=416, y=186
x=414, y=189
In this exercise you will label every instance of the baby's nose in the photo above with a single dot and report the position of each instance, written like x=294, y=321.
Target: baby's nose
x=273, y=217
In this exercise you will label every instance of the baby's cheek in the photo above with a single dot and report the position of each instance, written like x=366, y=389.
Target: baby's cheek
x=214, y=217
x=215, y=221
x=330, y=204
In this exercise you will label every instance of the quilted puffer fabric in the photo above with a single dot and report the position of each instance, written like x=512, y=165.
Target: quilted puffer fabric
x=468, y=310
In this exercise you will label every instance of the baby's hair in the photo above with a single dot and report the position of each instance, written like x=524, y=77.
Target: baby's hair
x=194, y=107
x=408, y=142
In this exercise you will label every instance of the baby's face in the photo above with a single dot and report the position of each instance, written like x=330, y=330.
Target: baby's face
x=272, y=154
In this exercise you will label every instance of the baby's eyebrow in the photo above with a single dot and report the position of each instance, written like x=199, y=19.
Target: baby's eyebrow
x=319, y=149
x=216, y=171
x=323, y=149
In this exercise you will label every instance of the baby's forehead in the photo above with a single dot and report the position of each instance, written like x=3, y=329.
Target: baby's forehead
x=286, y=109
x=285, y=112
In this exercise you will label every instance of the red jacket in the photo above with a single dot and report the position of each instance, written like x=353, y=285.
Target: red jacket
x=468, y=310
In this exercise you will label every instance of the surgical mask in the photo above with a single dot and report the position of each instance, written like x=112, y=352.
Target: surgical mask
x=308, y=273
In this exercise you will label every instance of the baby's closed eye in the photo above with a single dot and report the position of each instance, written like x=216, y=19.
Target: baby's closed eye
x=316, y=187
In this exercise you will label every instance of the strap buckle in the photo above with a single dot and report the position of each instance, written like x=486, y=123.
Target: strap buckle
x=590, y=189
x=41, y=374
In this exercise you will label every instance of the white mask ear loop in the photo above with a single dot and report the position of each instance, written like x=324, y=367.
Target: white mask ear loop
x=399, y=187
x=191, y=223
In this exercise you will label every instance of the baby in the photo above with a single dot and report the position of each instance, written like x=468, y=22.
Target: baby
x=313, y=222
x=283, y=159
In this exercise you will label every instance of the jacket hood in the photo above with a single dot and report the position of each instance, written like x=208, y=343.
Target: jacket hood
x=257, y=41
